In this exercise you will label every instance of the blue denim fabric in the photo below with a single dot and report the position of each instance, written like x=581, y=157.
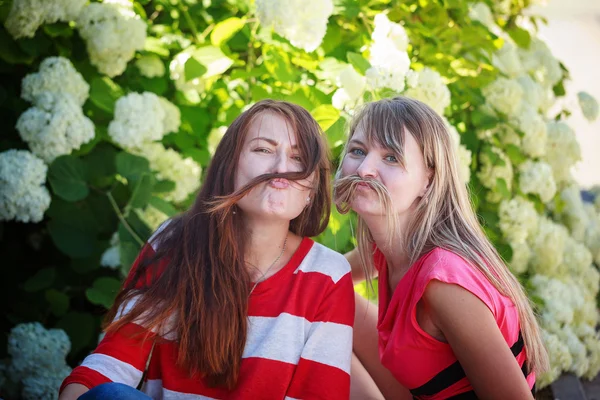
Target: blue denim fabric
x=113, y=391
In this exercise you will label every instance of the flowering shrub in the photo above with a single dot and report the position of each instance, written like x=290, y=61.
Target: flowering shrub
x=114, y=108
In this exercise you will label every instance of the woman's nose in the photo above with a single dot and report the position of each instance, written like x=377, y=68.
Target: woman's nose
x=367, y=168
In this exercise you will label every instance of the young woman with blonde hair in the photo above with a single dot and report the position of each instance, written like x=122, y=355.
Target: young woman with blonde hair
x=453, y=322
x=232, y=299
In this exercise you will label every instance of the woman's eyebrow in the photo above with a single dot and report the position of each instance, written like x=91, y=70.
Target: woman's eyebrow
x=272, y=142
x=357, y=142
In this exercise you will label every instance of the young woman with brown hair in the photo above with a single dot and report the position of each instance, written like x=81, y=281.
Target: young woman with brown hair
x=453, y=322
x=231, y=299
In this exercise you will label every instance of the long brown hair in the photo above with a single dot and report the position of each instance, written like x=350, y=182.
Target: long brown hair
x=202, y=295
x=444, y=216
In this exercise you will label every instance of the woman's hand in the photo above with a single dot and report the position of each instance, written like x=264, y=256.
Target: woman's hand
x=72, y=391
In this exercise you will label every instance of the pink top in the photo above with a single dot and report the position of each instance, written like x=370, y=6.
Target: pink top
x=418, y=361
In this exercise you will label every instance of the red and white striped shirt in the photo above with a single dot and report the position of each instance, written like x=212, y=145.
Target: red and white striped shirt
x=298, y=346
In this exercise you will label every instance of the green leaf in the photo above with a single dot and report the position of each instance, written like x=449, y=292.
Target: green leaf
x=58, y=30
x=104, y=93
x=59, y=302
x=67, y=178
x=358, y=62
x=132, y=167
x=80, y=327
x=164, y=186
x=326, y=115
x=502, y=188
x=142, y=191
x=163, y=206
x=278, y=63
x=521, y=37
x=128, y=252
x=336, y=134
x=193, y=69
x=71, y=241
x=514, y=154
x=42, y=279
x=156, y=46
x=215, y=61
x=11, y=52
x=103, y=291
x=225, y=30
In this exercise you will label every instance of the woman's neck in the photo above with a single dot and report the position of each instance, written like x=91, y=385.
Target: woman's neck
x=391, y=242
x=264, y=245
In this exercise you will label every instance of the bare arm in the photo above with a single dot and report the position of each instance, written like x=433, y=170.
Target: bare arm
x=72, y=391
x=471, y=330
x=358, y=273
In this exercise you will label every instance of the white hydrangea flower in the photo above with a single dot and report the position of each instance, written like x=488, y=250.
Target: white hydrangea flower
x=351, y=87
x=142, y=117
x=521, y=254
x=388, y=57
x=576, y=258
x=33, y=349
x=302, y=22
x=482, y=13
x=153, y=217
x=169, y=164
x=533, y=92
x=56, y=74
x=386, y=30
x=193, y=87
x=592, y=233
x=562, y=150
x=539, y=61
x=560, y=301
x=507, y=60
x=504, y=95
x=573, y=214
x=489, y=173
x=560, y=358
x=431, y=90
x=23, y=196
x=548, y=245
x=412, y=78
x=26, y=16
x=55, y=126
x=592, y=344
x=111, y=257
x=518, y=219
x=577, y=349
x=536, y=177
x=150, y=66
x=533, y=143
x=43, y=385
x=113, y=33
x=214, y=138
x=502, y=7
x=589, y=106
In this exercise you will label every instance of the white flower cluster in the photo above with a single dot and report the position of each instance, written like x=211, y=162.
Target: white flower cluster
x=533, y=143
x=589, y=106
x=302, y=22
x=548, y=245
x=533, y=92
x=141, y=118
x=518, y=219
x=111, y=258
x=536, y=177
x=490, y=172
x=560, y=358
x=150, y=66
x=113, y=32
x=573, y=214
x=56, y=75
x=351, y=87
x=38, y=359
x=152, y=216
x=521, y=254
x=507, y=60
x=429, y=88
x=562, y=150
x=55, y=126
x=23, y=196
x=539, y=62
x=177, y=75
x=169, y=164
x=481, y=12
x=592, y=232
x=388, y=57
x=26, y=16
x=504, y=95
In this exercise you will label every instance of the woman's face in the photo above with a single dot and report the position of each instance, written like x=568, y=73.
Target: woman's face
x=371, y=161
x=270, y=146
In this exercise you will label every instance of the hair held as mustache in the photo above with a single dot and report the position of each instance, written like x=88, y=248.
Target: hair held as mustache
x=344, y=190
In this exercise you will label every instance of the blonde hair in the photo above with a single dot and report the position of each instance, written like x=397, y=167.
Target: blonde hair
x=444, y=216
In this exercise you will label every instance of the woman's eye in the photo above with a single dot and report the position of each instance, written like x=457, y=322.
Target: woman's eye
x=391, y=158
x=357, y=152
x=297, y=158
x=262, y=150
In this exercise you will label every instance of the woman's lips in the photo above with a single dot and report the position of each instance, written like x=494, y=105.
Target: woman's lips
x=279, y=183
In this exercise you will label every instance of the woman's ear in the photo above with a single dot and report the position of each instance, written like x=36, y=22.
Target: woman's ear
x=427, y=182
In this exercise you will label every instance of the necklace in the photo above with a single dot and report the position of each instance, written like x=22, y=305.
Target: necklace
x=262, y=278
